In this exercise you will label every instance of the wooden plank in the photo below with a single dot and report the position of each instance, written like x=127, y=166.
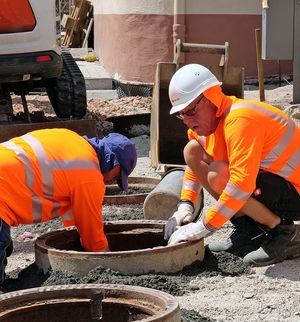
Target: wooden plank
x=82, y=127
x=79, y=17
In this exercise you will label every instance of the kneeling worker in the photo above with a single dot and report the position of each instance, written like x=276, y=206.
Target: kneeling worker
x=246, y=154
x=53, y=173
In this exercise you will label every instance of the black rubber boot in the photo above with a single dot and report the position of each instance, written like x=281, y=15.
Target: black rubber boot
x=282, y=242
x=246, y=237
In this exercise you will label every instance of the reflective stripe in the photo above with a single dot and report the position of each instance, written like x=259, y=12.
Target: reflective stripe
x=291, y=165
x=29, y=179
x=68, y=215
x=78, y=164
x=236, y=192
x=223, y=210
x=281, y=146
x=277, y=117
x=294, y=161
x=29, y=174
x=191, y=185
x=47, y=178
x=37, y=207
x=56, y=207
x=46, y=167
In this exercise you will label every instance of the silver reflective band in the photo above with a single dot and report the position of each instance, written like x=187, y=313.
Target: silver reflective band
x=236, y=192
x=68, y=215
x=191, y=185
x=223, y=210
x=281, y=146
x=291, y=165
x=294, y=160
x=29, y=179
x=46, y=167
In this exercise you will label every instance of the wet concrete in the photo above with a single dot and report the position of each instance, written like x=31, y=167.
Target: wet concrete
x=176, y=284
x=193, y=316
x=115, y=191
x=131, y=212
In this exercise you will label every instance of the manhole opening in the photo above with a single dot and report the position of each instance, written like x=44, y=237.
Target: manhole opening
x=78, y=311
x=138, y=189
x=135, y=239
x=114, y=190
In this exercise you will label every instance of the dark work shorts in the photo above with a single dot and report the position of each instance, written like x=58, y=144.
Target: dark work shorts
x=278, y=195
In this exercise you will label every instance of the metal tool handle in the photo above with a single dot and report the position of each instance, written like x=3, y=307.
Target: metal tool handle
x=222, y=50
x=96, y=305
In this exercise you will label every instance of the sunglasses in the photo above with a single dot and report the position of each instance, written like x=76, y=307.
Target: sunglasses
x=191, y=112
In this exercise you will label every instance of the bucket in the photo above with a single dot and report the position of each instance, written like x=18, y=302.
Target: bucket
x=162, y=201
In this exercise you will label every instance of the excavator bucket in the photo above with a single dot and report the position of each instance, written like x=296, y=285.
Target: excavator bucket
x=168, y=134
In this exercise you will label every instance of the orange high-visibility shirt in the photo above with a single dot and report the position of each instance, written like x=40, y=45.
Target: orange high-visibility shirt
x=251, y=136
x=53, y=173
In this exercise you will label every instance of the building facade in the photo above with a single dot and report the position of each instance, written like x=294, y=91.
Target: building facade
x=132, y=36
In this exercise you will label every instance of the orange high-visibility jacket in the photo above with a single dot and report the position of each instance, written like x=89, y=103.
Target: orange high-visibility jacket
x=53, y=173
x=250, y=136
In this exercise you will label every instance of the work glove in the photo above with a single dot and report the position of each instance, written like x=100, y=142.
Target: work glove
x=182, y=216
x=192, y=231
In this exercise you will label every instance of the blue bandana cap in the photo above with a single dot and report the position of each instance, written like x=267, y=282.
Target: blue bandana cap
x=115, y=149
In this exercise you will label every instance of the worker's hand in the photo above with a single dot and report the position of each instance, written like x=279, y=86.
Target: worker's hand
x=192, y=231
x=182, y=216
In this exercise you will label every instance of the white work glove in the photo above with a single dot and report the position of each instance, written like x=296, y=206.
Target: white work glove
x=192, y=231
x=183, y=215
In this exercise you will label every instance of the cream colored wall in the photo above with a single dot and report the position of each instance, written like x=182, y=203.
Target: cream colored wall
x=133, y=7
x=166, y=7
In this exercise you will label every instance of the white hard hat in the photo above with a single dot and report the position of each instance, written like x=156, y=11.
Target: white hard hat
x=188, y=83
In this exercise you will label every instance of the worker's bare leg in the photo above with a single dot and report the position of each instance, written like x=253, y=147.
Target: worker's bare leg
x=214, y=176
x=199, y=160
x=282, y=240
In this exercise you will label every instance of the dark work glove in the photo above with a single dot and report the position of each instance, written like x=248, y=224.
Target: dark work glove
x=170, y=227
x=183, y=215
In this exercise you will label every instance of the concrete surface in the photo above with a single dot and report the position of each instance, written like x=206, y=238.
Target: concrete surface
x=99, y=84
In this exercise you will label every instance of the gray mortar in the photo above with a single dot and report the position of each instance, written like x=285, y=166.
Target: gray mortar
x=132, y=190
x=176, y=284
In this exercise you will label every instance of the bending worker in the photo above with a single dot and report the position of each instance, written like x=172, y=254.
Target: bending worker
x=53, y=173
x=246, y=154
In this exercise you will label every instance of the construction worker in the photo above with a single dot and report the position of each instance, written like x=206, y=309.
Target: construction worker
x=246, y=154
x=53, y=173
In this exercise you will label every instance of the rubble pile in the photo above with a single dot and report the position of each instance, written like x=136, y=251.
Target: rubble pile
x=40, y=109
